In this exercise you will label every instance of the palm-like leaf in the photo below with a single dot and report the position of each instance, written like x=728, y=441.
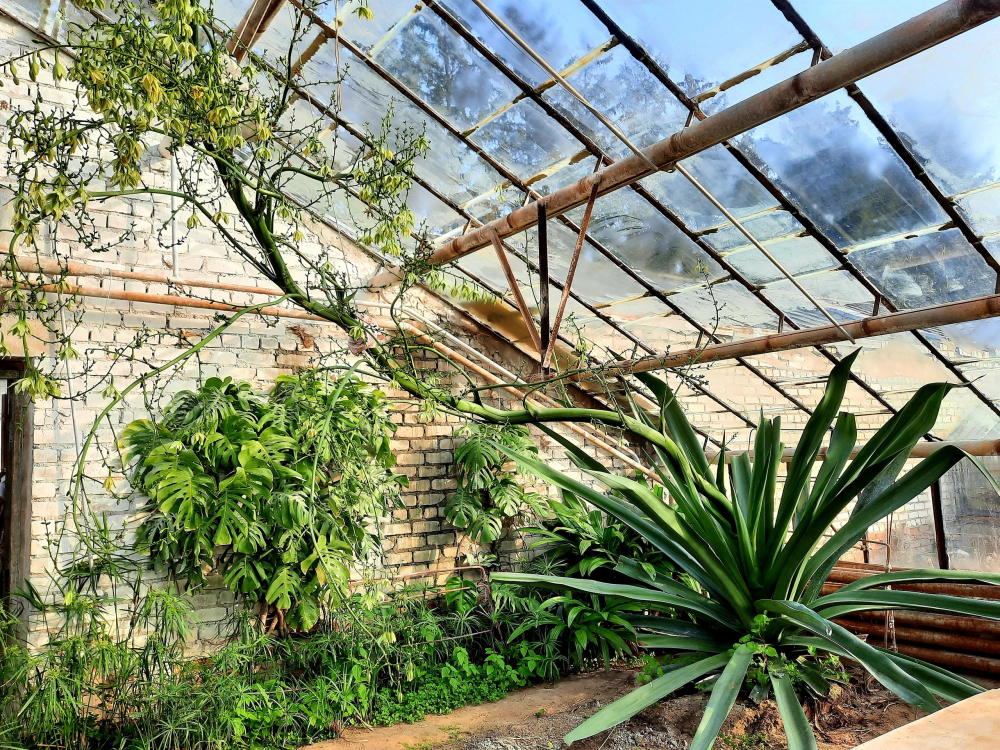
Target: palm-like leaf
x=761, y=577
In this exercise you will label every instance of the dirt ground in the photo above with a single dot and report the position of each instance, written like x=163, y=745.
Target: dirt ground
x=538, y=717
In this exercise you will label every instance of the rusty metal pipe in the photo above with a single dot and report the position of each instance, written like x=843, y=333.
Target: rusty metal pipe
x=167, y=299
x=51, y=267
x=921, y=32
x=951, y=659
x=969, y=591
x=934, y=638
x=948, y=623
x=878, y=325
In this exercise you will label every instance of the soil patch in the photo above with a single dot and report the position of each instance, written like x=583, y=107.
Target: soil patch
x=567, y=695
x=538, y=717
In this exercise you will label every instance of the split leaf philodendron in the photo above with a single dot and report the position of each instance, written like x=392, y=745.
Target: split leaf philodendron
x=761, y=610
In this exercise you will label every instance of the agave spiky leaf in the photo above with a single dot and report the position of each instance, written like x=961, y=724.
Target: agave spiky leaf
x=761, y=578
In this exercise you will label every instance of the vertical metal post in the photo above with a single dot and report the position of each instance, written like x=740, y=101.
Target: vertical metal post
x=543, y=275
x=942, y=543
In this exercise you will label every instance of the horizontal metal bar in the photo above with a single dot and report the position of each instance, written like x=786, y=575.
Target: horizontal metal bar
x=920, y=450
x=878, y=325
x=905, y=40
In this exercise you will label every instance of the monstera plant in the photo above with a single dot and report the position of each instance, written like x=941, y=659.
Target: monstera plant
x=276, y=493
x=760, y=559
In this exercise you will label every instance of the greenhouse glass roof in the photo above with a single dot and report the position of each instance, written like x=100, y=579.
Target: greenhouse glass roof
x=881, y=196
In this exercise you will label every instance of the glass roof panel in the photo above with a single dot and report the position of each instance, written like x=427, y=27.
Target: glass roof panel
x=799, y=255
x=830, y=161
x=700, y=46
x=433, y=216
x=526, y=140
x=843, y=296
x=845, y=23
x=449, y=166
x=927, y=270
x=561, y=31
x=764, y=227
x=968, y=343
x=638, y=234
x=982, y=210
x=597, y=279
x=724, y=177
x=664, y=334
x=485, y=265
x=366, y=33
x=799, y=60
x=28, y=11
x=951, y=128
x=730, y=307
x=426, y=47
x=566, y=175
x=626, y=92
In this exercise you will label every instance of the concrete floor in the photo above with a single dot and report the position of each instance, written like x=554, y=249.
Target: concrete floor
x=973, y=724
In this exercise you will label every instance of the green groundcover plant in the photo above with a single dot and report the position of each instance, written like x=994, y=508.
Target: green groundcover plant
x=386, y=655
x=759, y=617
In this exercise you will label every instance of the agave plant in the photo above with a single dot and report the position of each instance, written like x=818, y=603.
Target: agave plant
x=760, y=559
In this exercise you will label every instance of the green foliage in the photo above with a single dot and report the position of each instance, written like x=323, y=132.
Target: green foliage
x=488, y=499
x=285, y=485
x=757, y=618
x=389, y=653
x=588, y=541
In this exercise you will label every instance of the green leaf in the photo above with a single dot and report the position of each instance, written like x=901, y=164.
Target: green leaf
x=882, y=668
x=628, y=706
x=841, y=603
x=813, y=677
x=797, y=730
x=922, y=575
x=676, y=424
x=681, y=643
x=724, y=694
x=808, y=447
x=705, y=607
x=951, y=687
